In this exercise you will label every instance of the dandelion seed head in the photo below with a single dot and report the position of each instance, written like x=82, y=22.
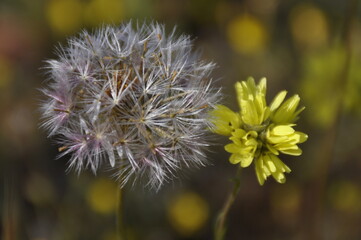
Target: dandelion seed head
x=131, y=98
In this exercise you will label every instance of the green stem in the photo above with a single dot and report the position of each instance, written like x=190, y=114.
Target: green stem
x=10, y=209
x=119, y=216
x=220, y=228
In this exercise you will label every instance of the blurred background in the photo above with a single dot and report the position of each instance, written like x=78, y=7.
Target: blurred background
x=312, y=48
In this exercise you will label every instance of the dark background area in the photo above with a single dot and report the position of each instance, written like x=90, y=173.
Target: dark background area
x=312, y=48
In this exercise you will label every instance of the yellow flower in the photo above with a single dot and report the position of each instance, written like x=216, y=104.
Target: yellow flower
x=260, y=132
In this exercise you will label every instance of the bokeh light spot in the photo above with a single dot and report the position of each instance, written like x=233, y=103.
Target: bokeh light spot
x=345, y=196
x=309, y=26
x=322, y=71
x=64, y=16
x=247, y=34
x=102, y=196
x=103, y=12
x=188, y=212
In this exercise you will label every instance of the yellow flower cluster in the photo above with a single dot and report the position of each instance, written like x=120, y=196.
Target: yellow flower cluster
x=259, y=133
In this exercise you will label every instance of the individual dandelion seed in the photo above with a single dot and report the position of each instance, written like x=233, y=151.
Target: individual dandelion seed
x=259, y=133
x=132, y=98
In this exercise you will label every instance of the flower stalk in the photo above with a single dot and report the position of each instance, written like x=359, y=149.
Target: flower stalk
x=220, y=226
x=119, y=216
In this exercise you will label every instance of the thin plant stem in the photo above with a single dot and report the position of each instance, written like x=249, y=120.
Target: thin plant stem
x=220, y=228
x=10, y=223
x=119, y=215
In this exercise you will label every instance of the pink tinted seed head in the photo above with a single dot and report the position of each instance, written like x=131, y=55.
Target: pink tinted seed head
x=132, y=98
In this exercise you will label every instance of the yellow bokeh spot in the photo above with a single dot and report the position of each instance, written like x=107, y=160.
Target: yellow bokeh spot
x=309, y=26
x=247, y=35
x=103, y=11
x=102, y=196
x=64, y=16
x=188, y=213
x=345, y=196
x=320, y=88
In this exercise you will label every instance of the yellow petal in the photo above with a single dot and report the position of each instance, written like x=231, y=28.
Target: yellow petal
x=250, y=135
x=265, y=169
x=232, y=148
x=286, y=112
x=259, y=172
x=272, y=149
x=295, y=115
x=282, y=130
x=224, y=120
x=246, y=161
x=235, y=158
x=247, y=150
x=292, y=102
x=302, y=137
x=236, y=141
x=279, y=164
x=278, y=100
x=279, y=177
x=239, y=133
x=239, y=91
x=262, y=86
x=251, y=142
x=271, y=165
x=293, y=152
x=285, y=147
x=272, y=138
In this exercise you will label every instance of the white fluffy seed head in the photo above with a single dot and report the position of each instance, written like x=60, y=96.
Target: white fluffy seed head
x=134, y=99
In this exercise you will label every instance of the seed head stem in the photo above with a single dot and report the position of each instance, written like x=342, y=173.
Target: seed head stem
x=119, y=216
